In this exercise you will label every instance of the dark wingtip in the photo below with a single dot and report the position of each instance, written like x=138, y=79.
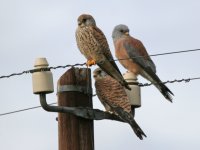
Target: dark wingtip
x=168, y=96
x=167, y=93
x=170, y=92
x=140, y=134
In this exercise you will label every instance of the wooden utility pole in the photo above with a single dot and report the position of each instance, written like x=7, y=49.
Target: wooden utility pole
x=74, y=90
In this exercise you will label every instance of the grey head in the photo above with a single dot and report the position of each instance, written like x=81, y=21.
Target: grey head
x=86, y=20
x=120, y=31
x=99, y=74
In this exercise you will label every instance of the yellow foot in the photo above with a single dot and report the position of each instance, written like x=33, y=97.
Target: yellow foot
x=90, y=62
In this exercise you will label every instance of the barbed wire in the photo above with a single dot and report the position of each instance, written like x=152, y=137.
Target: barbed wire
x=83, y=64
x=187, y=80
x=172, y=81
x=40, y=70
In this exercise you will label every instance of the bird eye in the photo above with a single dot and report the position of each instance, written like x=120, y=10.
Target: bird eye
x=121, y=31
x=84, y=20
x=94, y=76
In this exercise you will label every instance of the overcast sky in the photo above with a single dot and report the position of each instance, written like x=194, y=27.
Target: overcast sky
x=46, y=28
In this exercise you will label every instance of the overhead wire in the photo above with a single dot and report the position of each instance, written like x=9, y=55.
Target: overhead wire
x=25, y=109
x=140, y=84
x=172, y=81
x=186, y=80
x=161, y=54
x=82, y=64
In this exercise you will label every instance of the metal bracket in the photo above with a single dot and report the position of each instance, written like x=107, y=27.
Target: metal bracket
x=74, y=88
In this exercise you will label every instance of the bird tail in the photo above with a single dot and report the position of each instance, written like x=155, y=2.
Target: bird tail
x=164, y=90
x=114, y=72
x=151, y=76
x=127, y=117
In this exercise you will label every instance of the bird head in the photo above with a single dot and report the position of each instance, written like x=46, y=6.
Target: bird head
x=120, y=31
x=99, y=74
x=86, y=20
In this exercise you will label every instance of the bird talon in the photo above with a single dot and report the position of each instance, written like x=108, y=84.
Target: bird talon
x=91, y=62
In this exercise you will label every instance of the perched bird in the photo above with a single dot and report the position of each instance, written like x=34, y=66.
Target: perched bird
x=115, y=100
x=93, y=45
x=140, y=62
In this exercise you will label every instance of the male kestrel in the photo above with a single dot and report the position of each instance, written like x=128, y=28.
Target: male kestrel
x=115, y=100
x=139, y=62
x=93, y=45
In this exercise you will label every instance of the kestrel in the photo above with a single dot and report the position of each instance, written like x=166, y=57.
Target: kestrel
x=115, y=100
x=140, y=62
x=93, y=45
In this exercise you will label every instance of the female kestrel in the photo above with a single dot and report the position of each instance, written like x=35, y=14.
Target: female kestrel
x=93, y=45
x=115, y=100
x=139, y=62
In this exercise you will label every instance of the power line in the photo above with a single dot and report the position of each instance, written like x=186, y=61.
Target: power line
x=176, y=52
x=25, y=109
x=187, y=80
x=161, y=54
x=82, y=64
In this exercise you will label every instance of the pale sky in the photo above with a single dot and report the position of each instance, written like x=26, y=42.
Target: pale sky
x=46, y=28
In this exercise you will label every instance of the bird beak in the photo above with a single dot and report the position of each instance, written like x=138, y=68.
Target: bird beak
x=126, y=33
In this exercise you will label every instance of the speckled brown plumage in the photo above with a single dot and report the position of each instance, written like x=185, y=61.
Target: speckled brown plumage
x=111, y=92
x=114, y=98
x=93, y=45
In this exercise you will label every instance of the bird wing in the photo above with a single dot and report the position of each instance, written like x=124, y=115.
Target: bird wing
x=136, y=50
x=100, y=37
x=114, y=94
x=139, y=55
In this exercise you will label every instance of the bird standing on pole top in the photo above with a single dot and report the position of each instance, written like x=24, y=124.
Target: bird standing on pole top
x=93, y=45
x=134, y=57
x=115, y=100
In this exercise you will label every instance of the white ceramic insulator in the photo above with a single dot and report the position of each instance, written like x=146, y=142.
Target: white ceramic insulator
x=133, y=94
x=43, y=80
